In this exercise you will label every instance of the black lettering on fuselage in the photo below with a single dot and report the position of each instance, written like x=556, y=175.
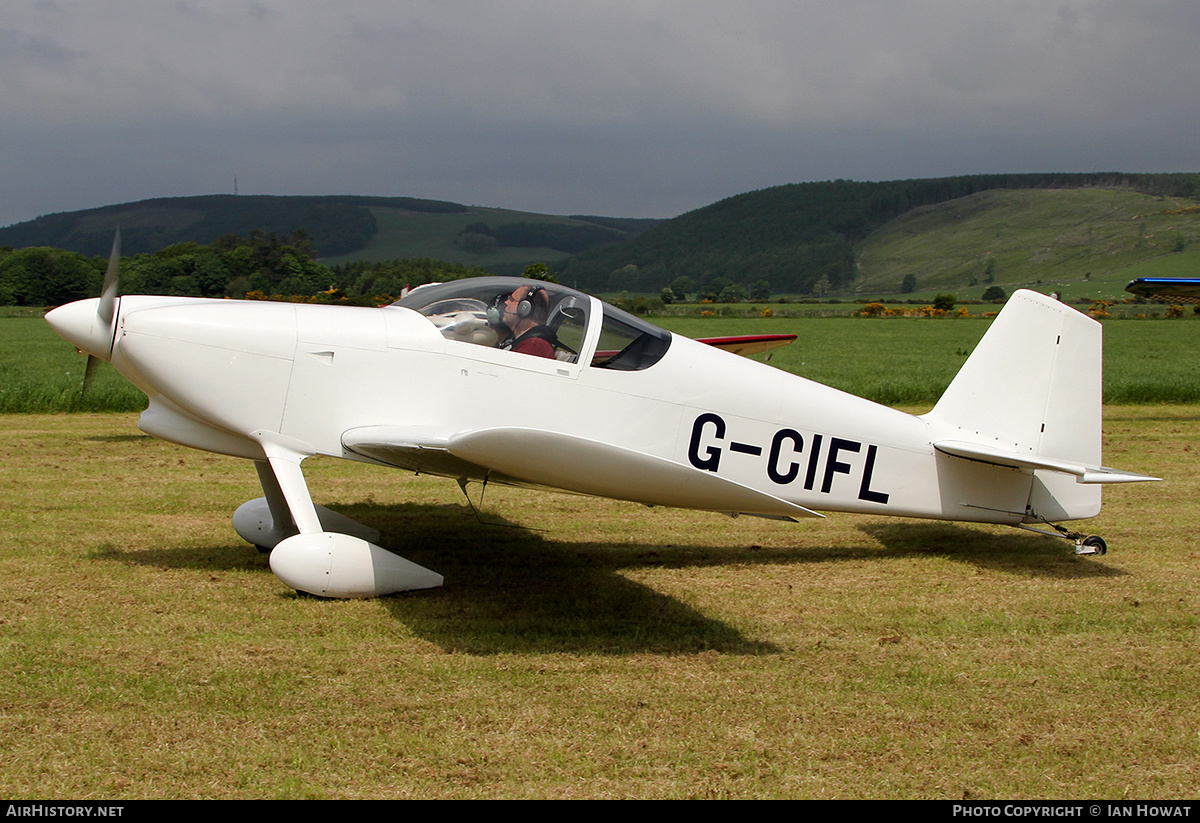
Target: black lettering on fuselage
x=745, y=448
x=864, y=490
x=793, y=468
x=810, y=476
x=712, y=455
x=784, y=456
x=833, y=465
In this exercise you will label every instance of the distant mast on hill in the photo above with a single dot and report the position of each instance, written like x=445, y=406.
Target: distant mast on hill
x=235, y=185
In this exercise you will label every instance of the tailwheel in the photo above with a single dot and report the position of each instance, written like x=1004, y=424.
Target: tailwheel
x=1092, y=544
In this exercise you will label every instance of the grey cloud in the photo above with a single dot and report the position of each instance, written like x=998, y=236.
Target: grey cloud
x=628, y=108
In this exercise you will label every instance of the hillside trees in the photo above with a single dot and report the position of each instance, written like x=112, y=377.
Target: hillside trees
x=184, y=269
x=387, y=278
x=229, y=266
x=41, y=276
x=682, y=286
x=573, y=239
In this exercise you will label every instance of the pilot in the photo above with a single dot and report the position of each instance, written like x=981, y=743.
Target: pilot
x=523, y=313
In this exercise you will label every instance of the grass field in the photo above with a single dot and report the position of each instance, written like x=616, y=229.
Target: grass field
x=899, y=360
x=911, y=361
x=585, y=648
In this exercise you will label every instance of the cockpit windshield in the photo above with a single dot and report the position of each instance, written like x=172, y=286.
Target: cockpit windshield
x=628, y=343
x=535, y=317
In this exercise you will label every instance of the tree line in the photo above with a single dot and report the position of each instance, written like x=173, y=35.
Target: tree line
x=262, y=264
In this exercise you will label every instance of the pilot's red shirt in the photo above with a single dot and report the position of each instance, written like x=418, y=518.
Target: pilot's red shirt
x=535, y=346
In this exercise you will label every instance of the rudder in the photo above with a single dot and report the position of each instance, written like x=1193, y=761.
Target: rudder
x=1032, y=388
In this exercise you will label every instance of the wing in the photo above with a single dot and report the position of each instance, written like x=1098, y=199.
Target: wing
x=417, y=450
x=535, y=457
x=1183, y=289
x=749, y=343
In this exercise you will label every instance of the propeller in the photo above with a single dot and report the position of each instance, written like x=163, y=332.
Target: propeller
x=112, y=276
x=106, y=308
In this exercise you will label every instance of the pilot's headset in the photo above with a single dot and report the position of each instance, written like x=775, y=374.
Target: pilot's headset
x=525, y=307
x=529, y=302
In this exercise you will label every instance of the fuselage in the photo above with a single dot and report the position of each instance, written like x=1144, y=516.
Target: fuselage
x=218, y=371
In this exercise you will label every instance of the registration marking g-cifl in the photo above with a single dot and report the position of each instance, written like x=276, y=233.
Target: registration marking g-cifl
x=787, y=462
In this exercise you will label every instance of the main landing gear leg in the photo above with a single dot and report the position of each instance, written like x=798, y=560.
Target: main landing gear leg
x=317, y=558
x=266, y=521
x=1091, y=544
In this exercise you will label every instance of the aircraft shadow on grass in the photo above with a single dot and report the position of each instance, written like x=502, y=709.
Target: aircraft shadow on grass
x=512, y=590
x=119, y=438
x=1011, y=552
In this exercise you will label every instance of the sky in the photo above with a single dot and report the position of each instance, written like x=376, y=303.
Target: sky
x=627, y=108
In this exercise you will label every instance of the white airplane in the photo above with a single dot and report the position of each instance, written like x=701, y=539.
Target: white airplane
x=619, y=409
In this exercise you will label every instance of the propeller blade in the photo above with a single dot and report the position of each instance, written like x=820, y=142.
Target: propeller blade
x=112, y=277
x=106, y=309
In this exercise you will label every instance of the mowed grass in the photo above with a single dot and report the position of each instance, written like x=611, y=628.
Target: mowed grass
x=584, y=648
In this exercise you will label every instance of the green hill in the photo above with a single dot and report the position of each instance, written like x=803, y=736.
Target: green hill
x=335, y=224
x=499, y=240
x=808, y=237
x=341, y=228
x=1081, y=241
x=1086, y=233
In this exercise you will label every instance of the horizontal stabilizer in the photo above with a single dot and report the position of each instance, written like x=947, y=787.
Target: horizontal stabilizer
x=1001, y=457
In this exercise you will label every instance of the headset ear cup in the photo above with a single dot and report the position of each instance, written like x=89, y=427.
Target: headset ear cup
x=525, y=307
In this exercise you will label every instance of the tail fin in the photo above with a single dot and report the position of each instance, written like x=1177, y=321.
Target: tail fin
x=1029, y=397
x=1033, y=382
